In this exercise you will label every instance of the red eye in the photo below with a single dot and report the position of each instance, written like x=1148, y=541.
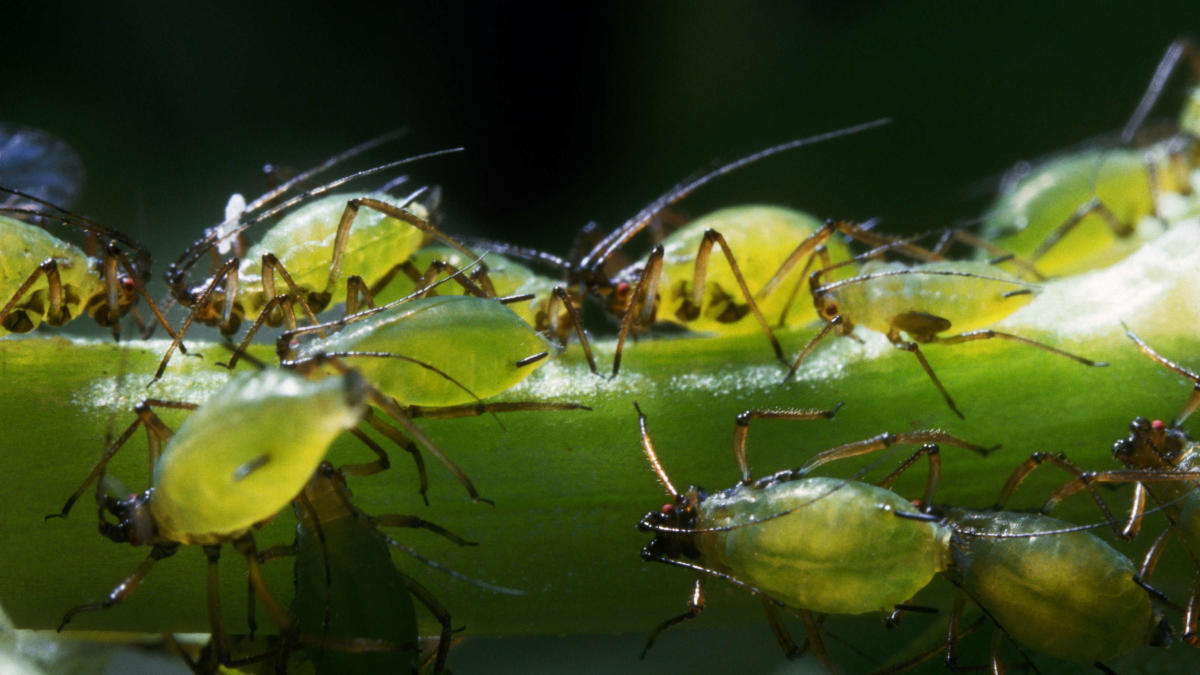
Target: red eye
x=127, y=283
x=1157, y=425
x=623, y=287
x=668, y=509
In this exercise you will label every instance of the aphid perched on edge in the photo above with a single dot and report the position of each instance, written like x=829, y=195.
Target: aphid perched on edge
x=921, y=301
x=44, y=278
x=811, y=544
x=1082, y=211
x=676, y=276
x=312, y=249
x=1049, y=584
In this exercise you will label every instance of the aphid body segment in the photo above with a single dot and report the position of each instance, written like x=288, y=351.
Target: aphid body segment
x=439, y=351
x=763, y=237
x=244, y=455
x=841, y=552
x=1065, y=593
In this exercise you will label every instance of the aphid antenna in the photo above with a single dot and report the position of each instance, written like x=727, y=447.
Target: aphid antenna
x=601, y=252
x=863, y=278
x=452, y=573
x=1158, y=82
x=648, y=448
x=1193, y=401
x=710, y=572
x=214, y=235
x=86, y=224
x=525, y=253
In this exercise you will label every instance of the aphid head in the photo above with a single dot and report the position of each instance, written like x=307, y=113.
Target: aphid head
x=672, y=526
x=1151, y=445
x=135, y=524
x=830, y=311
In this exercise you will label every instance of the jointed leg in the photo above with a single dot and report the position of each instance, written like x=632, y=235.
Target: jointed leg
x=439, y=612
x=1119, y=229
x=642, y=301
x=886, y=440
x=742, y=428
x=202, y=305
x=220, y=637
x=127, y=586
x=695, y=607
x=912, y=347
x=988, y=334
x=1060, y=460
x=559, y=296
x=55, y=297
x=1193, y=401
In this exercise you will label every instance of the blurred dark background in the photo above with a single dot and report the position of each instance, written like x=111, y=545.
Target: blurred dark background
x=577, y=112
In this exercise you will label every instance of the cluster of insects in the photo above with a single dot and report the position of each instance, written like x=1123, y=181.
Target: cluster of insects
x=433, y=324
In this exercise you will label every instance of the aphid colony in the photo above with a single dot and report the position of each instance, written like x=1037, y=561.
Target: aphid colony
x=433, y=324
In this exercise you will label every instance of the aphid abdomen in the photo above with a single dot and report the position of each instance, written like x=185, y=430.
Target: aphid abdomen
x=243, y=455
x=967, y=302
x=476, y=341
x=1069, y=595
x=842, y=551
x=25, y=247
x=760, y=238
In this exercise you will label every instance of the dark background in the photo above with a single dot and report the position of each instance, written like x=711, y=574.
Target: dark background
x=575, y=113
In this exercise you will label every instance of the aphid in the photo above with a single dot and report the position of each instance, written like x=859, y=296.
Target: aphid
x=228, y=467
x=353, y=608
x=922, y=301
x=313, y=250
x=439, y=351
x=811, y=544
x=38, y=164
x=1050, y=585
x=1163, y=461
x=46, y=279
x=675, y=282
x=1083, y=210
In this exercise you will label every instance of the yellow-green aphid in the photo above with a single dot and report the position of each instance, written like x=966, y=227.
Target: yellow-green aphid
x=916, y=304
x=746, y=230
x=507, y=278
x=814, y=544
x=236, y=461
x=225, y=469
x=304, y=240
x=1092, y=208
x=439, y=351
x=1065, y=593
x=1116, y=184
x=332, y=247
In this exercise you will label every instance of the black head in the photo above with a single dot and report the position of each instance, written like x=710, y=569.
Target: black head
x=1151, y=445
x=135, y=524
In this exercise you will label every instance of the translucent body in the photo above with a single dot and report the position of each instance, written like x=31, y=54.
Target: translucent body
x=476, y=341
x=1070, y=595
x=1024, y=216
x=364, y=595
x=842, y=551
x=304, y=242
x=25, y=247
x=243, y=455
x=967, y=302
x=507, y=277
x=761, y=238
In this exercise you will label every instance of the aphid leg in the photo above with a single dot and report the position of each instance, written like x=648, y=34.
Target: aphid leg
x=812, y=344
x=742, y=428
x=275, y=301
x=987, y=334
x=202, y=303
x=780, y=631
x=390, y=210
x=127, y=586
x=886, y=440
x=821, y=254
x=1193, y=401
x=156, y=431
x=270, y=265
x=933, y=454
x=1094, y=205
x=1000, y=254
x=400, y=440
x=245, y=545
x=1191, y=616
x=439, y=612
x=692, y=306
x=55, y=297
x=915, y=350
x=643, y=301
x=555, y=324
x=486, y=408
x=1060, y=460
x=1154, y=553
x=356, y=288
x=695, y=606
x=212, y=554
